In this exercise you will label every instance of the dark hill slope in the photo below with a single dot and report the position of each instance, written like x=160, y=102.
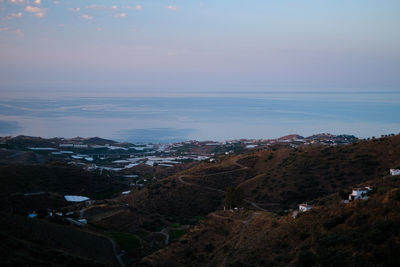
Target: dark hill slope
x=31, y=242
x=54, y=181
x=292, y=176
x=363, y=233
x=23, y=141
x=276, y=180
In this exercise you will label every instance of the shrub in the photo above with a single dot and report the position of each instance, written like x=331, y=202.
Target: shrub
x=209, y=247
x=339, y=219
x=306, y=258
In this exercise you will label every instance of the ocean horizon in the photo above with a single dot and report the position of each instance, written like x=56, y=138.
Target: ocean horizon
x=216, y=116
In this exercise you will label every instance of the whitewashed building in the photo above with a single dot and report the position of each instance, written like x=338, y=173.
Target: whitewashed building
x=304, y=207
x=394, y=172
x=359, y=193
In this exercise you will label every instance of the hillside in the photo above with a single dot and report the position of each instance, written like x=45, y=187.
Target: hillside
x=23, y=141
x=288, y=177
x=53, y=181
x=313, y=173
x=27, y=242
x=273, y=179
x=365, y=232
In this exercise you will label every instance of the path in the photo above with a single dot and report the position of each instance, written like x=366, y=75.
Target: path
x=165, y=232
x=241, y=233
x=118, y=255
x=255, y=205
x=242, y=167
x=245, y=223
x=201, y=186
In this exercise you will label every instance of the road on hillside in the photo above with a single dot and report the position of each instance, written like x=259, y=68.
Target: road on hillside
x=242, y=167
x=241, y=233
x=165, y=232
x=118, y=255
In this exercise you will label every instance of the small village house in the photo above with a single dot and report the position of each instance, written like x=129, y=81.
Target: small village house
x=304, y=207
x=394, y=172
x=359, y=193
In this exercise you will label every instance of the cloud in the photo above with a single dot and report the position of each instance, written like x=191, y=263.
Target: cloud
x=38, y=2
x=18, y=2
x=86, y=16
x=137, y=7
x=97, y=7
x=121, y=15
x=173, y=8
x=17, y=32
x=115, y=10
x=76, y=10
x=13, y=16
x=39, y=12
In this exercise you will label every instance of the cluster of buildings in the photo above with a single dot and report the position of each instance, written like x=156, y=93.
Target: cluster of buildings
x=73, y=217
x=357, y=193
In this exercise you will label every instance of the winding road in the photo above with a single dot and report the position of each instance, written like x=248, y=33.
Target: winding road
x=117, y=253
x=165, y=232
x=242, y=167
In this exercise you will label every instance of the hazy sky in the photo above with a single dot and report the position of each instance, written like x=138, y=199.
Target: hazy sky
x=130, y=46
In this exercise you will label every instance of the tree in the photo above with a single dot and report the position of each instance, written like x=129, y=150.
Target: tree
x=234, y=197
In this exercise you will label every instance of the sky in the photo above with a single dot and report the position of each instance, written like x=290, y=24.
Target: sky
x=122, y=47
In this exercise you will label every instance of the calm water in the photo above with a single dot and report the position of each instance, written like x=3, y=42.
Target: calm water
x=204, y=117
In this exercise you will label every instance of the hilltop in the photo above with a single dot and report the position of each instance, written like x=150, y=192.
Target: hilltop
x=26, y=141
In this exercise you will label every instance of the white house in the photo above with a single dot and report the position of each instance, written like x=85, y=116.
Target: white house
x=359, y=193
x=394, y=172
x=304, y=207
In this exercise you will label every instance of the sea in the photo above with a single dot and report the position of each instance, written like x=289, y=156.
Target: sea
x=203, y=116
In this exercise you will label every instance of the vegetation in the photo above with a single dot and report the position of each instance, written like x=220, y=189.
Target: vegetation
x=234, y=197
x=361, y=233
x=278, y=179
x=126, y=240
x=34, y=242
x=175, y=234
